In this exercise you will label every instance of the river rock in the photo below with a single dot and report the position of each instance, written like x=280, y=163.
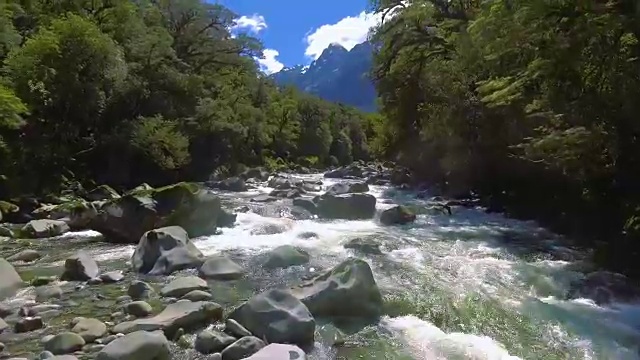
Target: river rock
x=44, y=293
x=236, y=184
x=27, y=255
x=347, y=188
x=311, y=187
x=137, y=345
x=348, y=290
x=364, y=245
x=80, y=267
x=138, y=309
x=306, y=204
x=10, y=280
x=226, y=219
x=197, y=295
x=112, y=277
x=243, y=348
x=28, y=324
x=279, y=352
x=3, y=326
x=234, y=328
x=165, y=250
x=89, y=329
x=181, y=314
x=183, y=285
x=397, y=215
x=5, y=310
x=44, y=228
x=212, y=341
x=400, y=176
x=220, y=268
x=139, y=290
x=184, y=204
x=78, y=214
x=285, y=256
x=64, y=343
x=276, y=316
x=280, y=183
x=348, y=206
x=6, y=232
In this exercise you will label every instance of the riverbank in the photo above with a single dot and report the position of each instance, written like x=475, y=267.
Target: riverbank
x=469, y=285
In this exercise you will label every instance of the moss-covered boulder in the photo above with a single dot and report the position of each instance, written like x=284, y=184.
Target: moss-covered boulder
x=127, y=218
x=8, y=210
x=78, y=213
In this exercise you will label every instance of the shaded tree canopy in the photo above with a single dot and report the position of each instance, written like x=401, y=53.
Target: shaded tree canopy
x=123, y=92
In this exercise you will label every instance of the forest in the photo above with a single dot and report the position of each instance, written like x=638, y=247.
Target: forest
x=531, y=105
x=123, y=92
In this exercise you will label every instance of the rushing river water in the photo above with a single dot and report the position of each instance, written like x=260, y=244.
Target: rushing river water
x=467, y=286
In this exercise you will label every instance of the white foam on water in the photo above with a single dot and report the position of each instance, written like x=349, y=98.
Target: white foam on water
x=427, y=341
x=331, y=235
x=83, y=234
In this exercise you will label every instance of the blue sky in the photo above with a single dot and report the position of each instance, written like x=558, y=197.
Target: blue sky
x=295, y=32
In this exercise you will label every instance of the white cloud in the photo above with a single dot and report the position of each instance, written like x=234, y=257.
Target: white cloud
x=269, y=64
x=348, y=32
x=254, y=23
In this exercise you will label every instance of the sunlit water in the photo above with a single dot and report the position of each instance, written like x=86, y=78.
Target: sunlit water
x=468, y=286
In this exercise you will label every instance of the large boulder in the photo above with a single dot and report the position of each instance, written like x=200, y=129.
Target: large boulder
x=397, y=215
x=348, y=206
x=279, y=352
x=165, y=250
x=276, y=316
x=220, y=268
x=347, y=188
x=80, y=267
x=44, y=228
x=182, y=314
x=348, y=290
x=127, y=218
x=400, y=176
x=285, y=256
x=152, y=345
x=306, y=204
x=10, y=280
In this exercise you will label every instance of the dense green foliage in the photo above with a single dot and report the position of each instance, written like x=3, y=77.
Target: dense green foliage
x=532, y=104
x=123, y=92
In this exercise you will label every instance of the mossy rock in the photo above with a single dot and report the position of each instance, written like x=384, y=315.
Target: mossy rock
x=183, y=204
x=7, y=208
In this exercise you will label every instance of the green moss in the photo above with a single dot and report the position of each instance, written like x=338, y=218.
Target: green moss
x=8, y=208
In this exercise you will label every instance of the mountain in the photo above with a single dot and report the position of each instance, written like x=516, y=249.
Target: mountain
x=338, y=75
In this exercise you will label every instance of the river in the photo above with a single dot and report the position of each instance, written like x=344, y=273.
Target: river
x=467, y=286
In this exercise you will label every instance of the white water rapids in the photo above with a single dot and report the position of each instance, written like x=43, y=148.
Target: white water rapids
x=524, y=276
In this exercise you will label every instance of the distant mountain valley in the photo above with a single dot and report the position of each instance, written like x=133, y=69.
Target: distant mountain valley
x=338, y=75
